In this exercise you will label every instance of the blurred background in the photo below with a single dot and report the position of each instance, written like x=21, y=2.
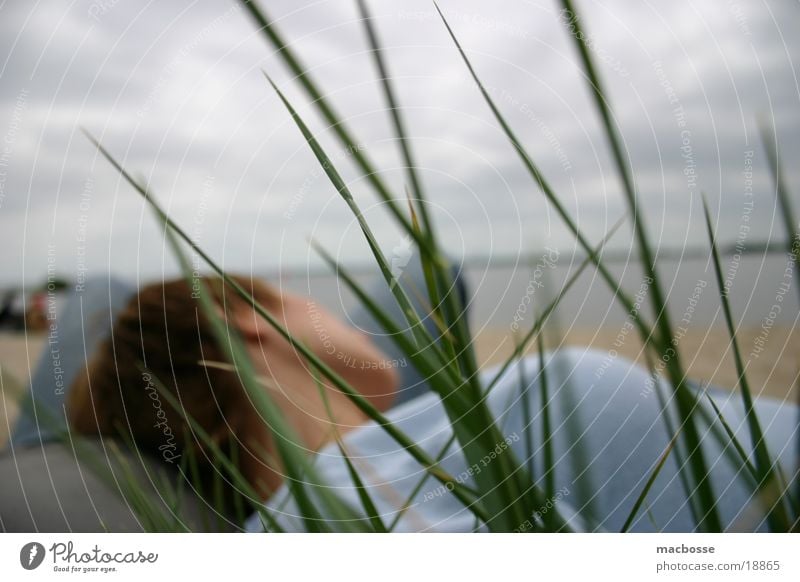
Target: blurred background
x=176, y=92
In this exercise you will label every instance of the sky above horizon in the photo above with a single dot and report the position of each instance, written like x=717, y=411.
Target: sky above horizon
x=175, y=90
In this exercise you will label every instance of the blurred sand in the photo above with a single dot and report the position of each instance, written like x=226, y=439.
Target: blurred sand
x=17, y=357
x=704, y=352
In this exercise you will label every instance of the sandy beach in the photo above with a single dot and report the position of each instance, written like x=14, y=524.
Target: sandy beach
x=704, y=352
x=18, y=356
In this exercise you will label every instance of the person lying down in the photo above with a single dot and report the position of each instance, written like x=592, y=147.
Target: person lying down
x=606, y=417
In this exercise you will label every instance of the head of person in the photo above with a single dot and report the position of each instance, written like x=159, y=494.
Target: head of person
x=163, y=365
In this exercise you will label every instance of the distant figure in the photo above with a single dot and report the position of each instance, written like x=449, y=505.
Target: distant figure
x=12, y=313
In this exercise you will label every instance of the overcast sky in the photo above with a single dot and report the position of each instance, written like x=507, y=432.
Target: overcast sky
x=175, y=90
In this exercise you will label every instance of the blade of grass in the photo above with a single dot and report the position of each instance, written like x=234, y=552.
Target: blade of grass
x=663, y=404
x=362, y=403
x=429, y=273
x=366, y=501
x=417, y=328
x=146, y=500
x=369, y=506
x=568, y=394
x=797, y=452
x=538, y=177
x=648, y=262
x=196, y=481
x=709, y=520
x=203, y=436
x=334, y=120
x=646, y=332
x=792, y=226
x=549, y=466
x=130, y=490
x=473, y=423
x=405, y=146
x=698, y=463
x=217, y=492
x=397, y=119
x=154, y=519
x=461, y=342
x=779, y=521
x=420, y=484
x=746, y=464
x=119, y=479
x=527, y=414
x=790, y=222
x=539, y=323
x=519, y=349
x=238, y=503
x=551, y=520
x=442, y=379
x=650, y=481
x=290, y=448
x=425, y=241
x=366, y=301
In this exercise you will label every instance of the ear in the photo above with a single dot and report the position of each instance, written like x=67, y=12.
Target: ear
x=248, y=323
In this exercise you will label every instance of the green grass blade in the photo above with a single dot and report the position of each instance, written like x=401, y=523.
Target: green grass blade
x=430, y=273
x=366, y=501
x=746, y=464
x=790, y=222
x=649, y=484
x=119, y=479
x=709, y=520
x=698, y=464
x=420, y=484
x=538, y=177
x=404, y=144
x=551, y=307
x=767, y=476
x=417, y=328
x=290, y=449
x=193, y=477
x=570, y=16
x=527, y=415
x=473, y=424
x=362, y=403
x=756, y=434
x=426, y=241
x=671, y=429
x=549, y=466
x=136, y=496
x=214, y=448
x=397, y=119
x=363, y=494
x=238, y=503
x=792, y=250
x=443, y=378
x=326, y=110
